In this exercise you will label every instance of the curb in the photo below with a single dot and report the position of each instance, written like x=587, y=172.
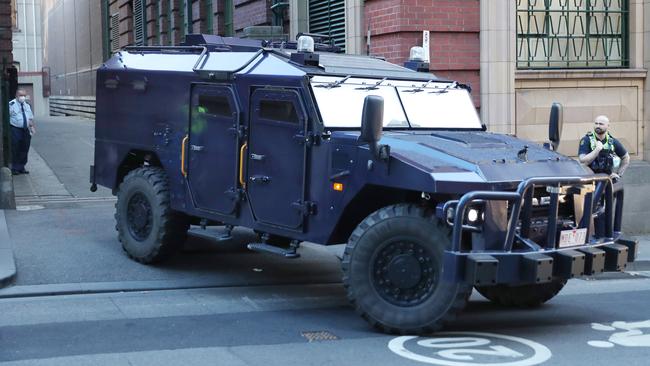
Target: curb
x=7, y=264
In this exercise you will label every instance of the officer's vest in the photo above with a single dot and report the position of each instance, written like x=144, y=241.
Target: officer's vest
x=607, y=145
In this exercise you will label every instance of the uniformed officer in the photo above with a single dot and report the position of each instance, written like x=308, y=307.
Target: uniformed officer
x=21, y=119
x=602, y=152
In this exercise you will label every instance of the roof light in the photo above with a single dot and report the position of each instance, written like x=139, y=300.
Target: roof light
x=417, y=54
x=305, y=44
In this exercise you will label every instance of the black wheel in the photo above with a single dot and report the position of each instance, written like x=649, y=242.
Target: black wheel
x=525, y=296
x=148, y=228
x=392, y=270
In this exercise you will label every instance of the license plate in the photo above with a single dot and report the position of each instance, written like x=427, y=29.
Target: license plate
x=569, y=238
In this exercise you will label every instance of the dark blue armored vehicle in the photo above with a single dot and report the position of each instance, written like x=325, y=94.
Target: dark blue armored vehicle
x=303, y=144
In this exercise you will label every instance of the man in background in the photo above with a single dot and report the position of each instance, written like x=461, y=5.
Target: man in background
x=21, y=119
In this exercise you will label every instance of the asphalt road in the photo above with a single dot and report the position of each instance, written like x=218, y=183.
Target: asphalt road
x=591, y=323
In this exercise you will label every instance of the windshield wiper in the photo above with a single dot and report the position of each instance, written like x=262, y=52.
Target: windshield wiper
x=451, y=85
x=333, y=84
x=372, y=87
x=418, y=89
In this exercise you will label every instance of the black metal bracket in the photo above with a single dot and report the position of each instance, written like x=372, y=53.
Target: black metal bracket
x=307, y=208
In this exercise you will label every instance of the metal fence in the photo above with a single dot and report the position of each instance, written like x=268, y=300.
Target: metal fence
x=554, y=34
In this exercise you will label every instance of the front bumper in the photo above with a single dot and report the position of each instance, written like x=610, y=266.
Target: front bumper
x=531, y=262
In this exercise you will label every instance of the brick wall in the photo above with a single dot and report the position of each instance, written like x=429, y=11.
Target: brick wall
x=397, y=25
x=251, y=12
x=165, y=24
x=5, y=32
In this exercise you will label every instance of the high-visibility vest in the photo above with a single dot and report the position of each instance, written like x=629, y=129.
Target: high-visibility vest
x=607, y=145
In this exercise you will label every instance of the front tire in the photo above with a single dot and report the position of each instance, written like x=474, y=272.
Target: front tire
x=524, y=296
x=148, y=228
x=392, y=270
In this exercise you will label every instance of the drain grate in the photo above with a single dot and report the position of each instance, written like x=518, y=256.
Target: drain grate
x=319, y=336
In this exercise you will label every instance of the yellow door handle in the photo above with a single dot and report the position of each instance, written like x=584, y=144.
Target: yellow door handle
x=242, y=181
x=183, y=148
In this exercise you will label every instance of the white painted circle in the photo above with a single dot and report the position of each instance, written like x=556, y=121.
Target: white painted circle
x=540, y=352
x=601, y=344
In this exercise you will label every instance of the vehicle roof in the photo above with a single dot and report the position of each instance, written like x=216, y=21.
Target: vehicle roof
x=227, y=55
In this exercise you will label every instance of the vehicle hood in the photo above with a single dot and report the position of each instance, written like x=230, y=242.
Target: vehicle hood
x=478, y=155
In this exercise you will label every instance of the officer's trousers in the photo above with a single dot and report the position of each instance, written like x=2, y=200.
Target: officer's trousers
x=20, y=141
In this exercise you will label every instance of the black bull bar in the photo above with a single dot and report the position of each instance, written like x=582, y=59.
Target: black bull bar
x=537, y=263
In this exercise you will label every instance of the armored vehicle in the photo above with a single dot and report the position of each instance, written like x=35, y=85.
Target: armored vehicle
x=300, y=143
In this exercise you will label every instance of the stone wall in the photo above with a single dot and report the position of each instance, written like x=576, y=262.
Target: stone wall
x=584, y=95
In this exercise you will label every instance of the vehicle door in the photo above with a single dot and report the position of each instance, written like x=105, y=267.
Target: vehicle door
x=276, y=157
x=212, y=148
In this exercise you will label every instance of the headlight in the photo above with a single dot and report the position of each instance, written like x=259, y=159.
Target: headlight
x=472, y=215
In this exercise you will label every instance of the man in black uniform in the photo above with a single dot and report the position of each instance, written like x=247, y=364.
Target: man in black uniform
x=602, y=152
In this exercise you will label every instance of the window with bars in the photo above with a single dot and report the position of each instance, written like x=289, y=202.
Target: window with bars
x=328, y=17
x=139, y=23
x=555, y=34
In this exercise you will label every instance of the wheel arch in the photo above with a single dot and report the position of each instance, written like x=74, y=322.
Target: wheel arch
x=132, y=160
x=370, y=199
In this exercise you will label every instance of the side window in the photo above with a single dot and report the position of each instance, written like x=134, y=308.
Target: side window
x=278, y=110
x=216, y=105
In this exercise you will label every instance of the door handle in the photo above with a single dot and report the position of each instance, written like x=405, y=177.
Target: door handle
x=183, y=145
x=242, y=182
x=257, y=157
x=196, y=147
x=260, y=179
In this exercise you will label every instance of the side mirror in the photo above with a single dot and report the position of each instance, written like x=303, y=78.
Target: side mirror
x=555, y=125
x=372, y=121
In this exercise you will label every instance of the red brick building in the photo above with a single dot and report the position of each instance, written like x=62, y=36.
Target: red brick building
x=6, y=16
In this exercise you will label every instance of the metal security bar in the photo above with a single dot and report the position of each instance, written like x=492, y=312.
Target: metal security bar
x=554, y=34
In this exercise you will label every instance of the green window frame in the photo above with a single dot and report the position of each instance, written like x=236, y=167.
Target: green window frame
x=572, y=34
x=139, y=23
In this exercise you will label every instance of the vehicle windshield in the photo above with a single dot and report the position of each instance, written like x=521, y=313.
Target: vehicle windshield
x=406, y=103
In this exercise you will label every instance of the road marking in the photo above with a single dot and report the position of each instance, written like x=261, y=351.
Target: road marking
x=29, y=207
x=471, y=348
x=630, y=334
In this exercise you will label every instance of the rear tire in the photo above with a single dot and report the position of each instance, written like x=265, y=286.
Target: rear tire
x=148, y=228
x=392, y=270
x=524, y=296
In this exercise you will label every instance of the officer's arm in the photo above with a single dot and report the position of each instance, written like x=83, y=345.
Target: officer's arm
x=625, y=162
x=588, y=158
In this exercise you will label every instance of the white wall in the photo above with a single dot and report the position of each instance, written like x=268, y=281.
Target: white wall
x=27, y=42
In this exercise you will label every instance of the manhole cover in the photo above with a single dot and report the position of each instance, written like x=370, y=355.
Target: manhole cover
x=319, y=336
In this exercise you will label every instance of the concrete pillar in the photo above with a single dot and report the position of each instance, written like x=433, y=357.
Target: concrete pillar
x=299, y=16
x=498, y=63
x=645, y=10
x=7, y=197
x=354, y=32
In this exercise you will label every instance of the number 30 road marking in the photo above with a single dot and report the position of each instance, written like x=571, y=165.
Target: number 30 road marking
x=471, y=348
